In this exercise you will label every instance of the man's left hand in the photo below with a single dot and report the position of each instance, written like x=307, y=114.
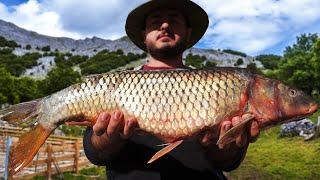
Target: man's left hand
x=248, y=135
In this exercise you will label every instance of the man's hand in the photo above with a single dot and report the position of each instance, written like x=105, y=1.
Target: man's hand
x=229, y=156
x=110, y=131
x=248, y=135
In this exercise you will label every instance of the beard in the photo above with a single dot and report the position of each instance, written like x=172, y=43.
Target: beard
x=167, y=51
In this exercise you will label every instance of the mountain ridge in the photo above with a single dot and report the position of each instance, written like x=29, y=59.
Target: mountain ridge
x=90, y=46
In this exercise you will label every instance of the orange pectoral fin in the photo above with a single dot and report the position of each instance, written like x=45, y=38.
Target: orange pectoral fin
x=27, y=147
x=231, y=134
x=165, y=150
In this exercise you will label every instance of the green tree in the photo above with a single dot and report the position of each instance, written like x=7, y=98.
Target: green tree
x=59, y=78
x=77, y=59
x=119, y=52
x=143, y=55
x=300, y=64
x=6, y=86
x=72, y=130
x=18, y=64
x=28, y=46
x=46, y=48
x=6, y=43
x=210, y=64
x=269, y=61
x=253, y=68
x=14, y=90
x=315, y=61
x=230, y=51
x=105, y=61
x=27, y=89
x=5, y=51
x=239, y=62
x=195, y=61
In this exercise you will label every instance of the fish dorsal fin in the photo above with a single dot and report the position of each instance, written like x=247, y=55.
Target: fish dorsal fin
x=232, y=133
x=165, y=150
x=22, y=114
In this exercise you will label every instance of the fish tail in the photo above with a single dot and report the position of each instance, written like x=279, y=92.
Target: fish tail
x=27, y=147
x=21, y=114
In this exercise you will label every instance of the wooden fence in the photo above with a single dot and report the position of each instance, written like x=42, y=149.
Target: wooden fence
x=59, y=154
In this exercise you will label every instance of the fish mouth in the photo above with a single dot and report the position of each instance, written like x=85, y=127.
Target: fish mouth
x=313, y=108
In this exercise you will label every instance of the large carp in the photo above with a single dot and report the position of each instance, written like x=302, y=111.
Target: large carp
x=173, y=105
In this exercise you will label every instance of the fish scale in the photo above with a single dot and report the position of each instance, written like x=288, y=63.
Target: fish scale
x=161, y=98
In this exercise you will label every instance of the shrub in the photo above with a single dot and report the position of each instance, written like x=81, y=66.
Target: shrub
x=45, y=48
x=28, y=46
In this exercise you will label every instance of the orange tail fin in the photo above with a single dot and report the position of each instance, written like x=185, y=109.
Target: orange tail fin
x=29, y=144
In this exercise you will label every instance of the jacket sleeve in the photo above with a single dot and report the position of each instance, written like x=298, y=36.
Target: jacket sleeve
x=226, y=160
x=128, y=157
x=94, y=156
x=237, y=161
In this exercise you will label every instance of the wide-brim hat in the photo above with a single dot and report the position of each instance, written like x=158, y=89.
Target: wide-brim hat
x=197, y=19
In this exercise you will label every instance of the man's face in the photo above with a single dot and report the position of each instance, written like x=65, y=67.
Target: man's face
x=166, y=33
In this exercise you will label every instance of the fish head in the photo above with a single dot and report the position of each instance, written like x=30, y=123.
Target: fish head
x=294, y=104
x=273, y=102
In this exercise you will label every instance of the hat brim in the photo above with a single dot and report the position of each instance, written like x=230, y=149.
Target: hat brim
x=197, y=18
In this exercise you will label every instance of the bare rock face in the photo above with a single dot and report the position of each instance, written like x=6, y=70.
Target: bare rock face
x=87, y=46
x=91, y=46
x=45, y=64
x=221, y=58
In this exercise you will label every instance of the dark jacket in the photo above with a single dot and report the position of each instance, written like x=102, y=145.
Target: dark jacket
x=186, y=161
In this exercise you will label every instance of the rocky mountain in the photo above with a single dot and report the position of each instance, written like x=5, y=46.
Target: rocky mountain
x=87, y=46
x=90, y=46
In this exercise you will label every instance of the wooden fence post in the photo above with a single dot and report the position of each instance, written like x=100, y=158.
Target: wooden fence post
x=49, y=160
x=76, y=155
x=63, y=145
x=317, y=133
x=6, y=162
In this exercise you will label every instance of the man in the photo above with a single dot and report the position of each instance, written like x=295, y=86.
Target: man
x=164, y=29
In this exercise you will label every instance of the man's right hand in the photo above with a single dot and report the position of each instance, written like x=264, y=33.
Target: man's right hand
x=111, y=130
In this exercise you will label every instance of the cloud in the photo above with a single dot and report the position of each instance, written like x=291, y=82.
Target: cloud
x=95, y=17
x=33, y=16
x=239, y=34
x=251, y=26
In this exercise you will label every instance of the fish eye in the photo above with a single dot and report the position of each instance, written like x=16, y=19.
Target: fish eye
x=292, y=93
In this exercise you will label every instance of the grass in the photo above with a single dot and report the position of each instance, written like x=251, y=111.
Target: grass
x=280, y=158
x=315, y=116
x=96, y=173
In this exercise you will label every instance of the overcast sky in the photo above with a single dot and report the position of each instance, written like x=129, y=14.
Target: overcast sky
x=251, y=26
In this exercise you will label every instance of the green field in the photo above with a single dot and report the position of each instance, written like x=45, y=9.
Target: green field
x=272, y=157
